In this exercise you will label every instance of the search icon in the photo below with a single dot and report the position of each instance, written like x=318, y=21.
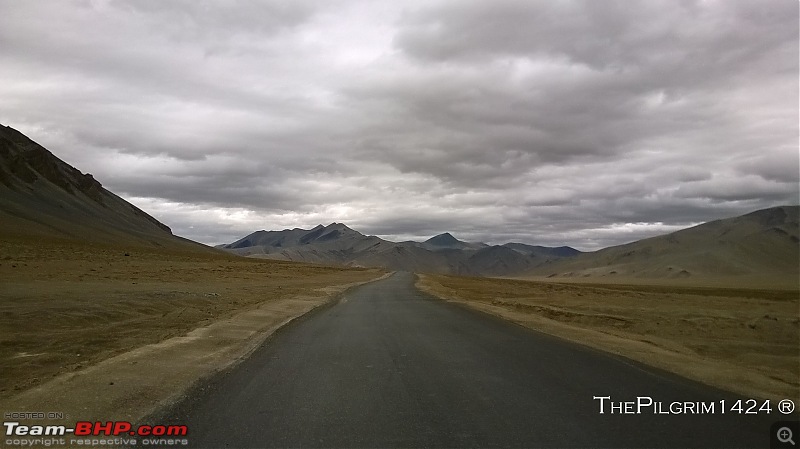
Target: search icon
x=785, y=435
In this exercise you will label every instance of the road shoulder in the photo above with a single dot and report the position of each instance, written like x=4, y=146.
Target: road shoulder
x=661, y=353
x=134, y=384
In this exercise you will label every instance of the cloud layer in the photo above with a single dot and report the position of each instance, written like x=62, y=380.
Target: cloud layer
x=583, y=123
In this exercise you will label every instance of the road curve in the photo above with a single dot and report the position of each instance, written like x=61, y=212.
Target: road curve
x=388, y=366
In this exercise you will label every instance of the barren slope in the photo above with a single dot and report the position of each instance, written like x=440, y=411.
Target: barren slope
x=41, y=195
x=757, y=249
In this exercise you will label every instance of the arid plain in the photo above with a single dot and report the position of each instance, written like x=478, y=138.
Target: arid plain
x=68, y=305
x=739, y=339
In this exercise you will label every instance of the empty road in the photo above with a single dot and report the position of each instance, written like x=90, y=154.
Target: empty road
x=389, y=366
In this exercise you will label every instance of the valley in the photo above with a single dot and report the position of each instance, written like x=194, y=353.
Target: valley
x=104, y=312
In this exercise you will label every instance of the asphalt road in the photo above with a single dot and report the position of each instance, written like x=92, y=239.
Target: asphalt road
x=389, y=366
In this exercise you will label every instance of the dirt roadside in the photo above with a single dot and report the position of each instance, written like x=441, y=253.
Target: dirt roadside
x=135, y=383
x=743, y=341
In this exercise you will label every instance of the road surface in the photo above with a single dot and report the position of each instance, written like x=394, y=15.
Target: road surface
x=389, y=366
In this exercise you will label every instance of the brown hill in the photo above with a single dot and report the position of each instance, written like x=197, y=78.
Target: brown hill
x=759, y=248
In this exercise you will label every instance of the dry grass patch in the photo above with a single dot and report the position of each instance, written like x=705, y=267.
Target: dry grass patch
x=66, y=305
x=742, y=340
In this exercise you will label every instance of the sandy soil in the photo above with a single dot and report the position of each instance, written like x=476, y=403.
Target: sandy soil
x=742, y=340
x=109, y=332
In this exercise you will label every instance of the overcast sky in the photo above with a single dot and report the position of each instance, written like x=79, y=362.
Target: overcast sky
x=582, y=123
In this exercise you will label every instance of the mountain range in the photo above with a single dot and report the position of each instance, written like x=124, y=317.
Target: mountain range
x=338, y=244
x=760, y=246
x=43, y=197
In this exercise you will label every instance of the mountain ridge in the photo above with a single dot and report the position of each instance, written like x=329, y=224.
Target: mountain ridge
x=43, y=196
x=760, y=243
x=338, y=244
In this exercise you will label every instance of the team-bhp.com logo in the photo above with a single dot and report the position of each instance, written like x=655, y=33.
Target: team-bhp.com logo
x=87, y=428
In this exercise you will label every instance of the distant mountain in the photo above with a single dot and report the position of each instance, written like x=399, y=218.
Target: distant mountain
x=762, y=245
x=543, y=251
x=41, y=195
x=332, y=244
x=498, y=261
x=338, y=244
x=288, y=238
x=447, y=241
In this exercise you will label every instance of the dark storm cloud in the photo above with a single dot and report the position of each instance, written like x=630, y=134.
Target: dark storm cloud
x=561, y=81
x=587, y=123
x=699, y=39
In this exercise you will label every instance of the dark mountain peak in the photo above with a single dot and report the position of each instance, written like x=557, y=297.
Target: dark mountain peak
x=338, y=226
x=327, y=233
x=565, y=251
x=315, y=228
x=445, y=239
